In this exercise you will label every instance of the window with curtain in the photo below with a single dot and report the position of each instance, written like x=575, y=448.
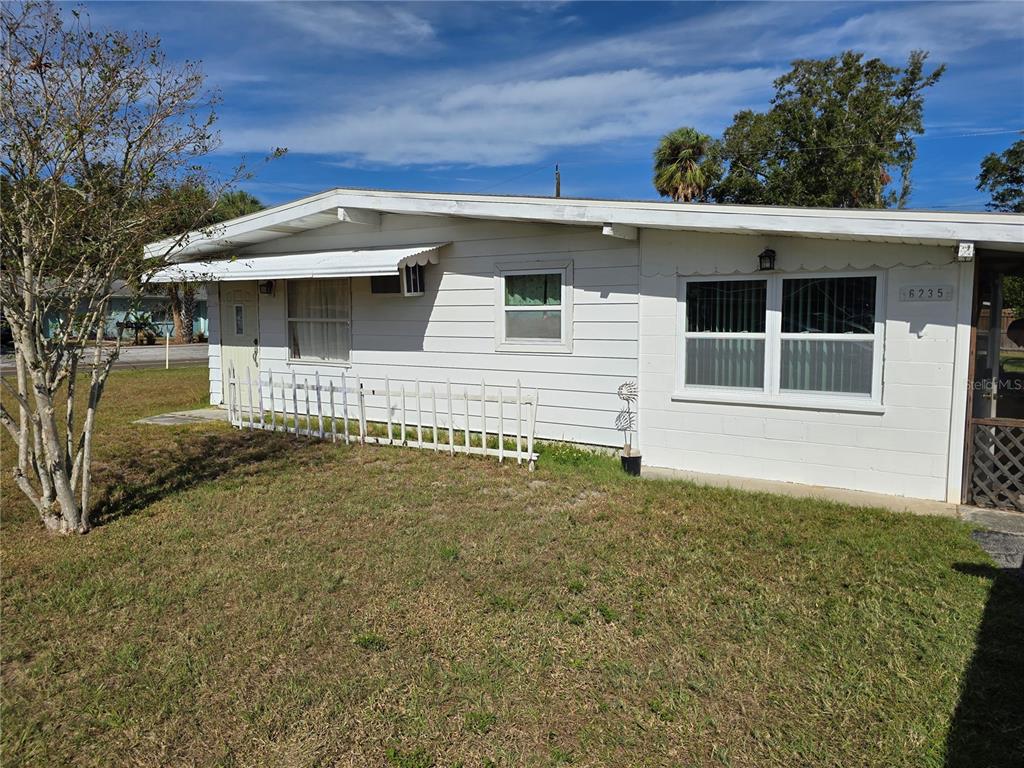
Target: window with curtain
x=783, y=336
x=724, y=333
x=533, y=306
x=319, y=320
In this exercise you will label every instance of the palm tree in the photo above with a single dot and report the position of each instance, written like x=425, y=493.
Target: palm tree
x=231, y=205
x=681, y=165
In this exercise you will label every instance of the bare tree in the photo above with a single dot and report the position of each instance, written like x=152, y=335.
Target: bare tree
x=95, y=125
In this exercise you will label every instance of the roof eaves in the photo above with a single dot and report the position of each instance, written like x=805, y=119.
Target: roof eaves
x=897, y=225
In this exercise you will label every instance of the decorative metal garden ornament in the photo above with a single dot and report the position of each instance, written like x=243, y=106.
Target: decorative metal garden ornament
x=625, y=422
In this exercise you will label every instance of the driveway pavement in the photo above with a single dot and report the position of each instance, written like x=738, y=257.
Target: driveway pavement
x=1003, y=539
x=134, y=358
x=1007, y=549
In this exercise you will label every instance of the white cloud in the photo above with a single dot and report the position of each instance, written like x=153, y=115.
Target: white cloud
x=772, y=33
x=947, y=30
x=697, y=71
x=514, y=122
x=377, y=27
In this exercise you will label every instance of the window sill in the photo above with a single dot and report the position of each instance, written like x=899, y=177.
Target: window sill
x=556, y=348
x=759, y=400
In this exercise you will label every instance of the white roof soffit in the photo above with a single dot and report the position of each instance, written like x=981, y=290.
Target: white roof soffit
x=296, y=266
x=351, y=206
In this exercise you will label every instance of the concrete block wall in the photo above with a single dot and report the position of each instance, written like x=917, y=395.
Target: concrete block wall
x=904, y=450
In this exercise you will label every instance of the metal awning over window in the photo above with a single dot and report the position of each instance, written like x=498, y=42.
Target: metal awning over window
x=363, y=262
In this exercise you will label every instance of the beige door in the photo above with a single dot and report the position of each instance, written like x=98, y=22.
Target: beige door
x=240, y=337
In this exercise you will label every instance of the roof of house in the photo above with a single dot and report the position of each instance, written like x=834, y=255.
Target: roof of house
x=1003, y=231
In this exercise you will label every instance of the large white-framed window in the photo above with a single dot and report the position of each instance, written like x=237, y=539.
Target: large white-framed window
x=800, y=339
x=534, y=307
x=319, y=320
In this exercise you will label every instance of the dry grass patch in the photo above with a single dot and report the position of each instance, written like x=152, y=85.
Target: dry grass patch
x=257, y=600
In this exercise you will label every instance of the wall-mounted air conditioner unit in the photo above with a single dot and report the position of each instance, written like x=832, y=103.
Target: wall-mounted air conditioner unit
x=408, y=282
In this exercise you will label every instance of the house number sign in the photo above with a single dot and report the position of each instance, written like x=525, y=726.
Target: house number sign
x=926, y=293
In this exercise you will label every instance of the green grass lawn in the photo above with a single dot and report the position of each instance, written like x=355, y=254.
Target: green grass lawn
x=250, y=599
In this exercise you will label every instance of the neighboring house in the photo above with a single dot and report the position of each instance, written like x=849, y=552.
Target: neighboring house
x=830, y=347
x=154, y=302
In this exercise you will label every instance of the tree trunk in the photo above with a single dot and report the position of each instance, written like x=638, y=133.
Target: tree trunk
x=64, y=514
x=188, y=312
x=176, y=311
x=98, y=382
x=24, y=417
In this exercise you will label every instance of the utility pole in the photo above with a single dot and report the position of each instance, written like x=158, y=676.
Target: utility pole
x=558, y=181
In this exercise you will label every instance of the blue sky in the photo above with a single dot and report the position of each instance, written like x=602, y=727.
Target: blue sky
x=487, y=97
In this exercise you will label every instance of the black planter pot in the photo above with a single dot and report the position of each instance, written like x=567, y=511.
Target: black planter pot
x=631, y=464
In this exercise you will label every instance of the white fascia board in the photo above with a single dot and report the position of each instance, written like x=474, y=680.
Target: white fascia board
x=223, y=236
x=912, y=226
x=921, y=227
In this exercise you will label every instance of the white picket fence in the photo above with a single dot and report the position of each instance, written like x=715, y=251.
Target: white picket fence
x=459, y=419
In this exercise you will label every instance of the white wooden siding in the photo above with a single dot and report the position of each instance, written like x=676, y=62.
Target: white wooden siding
x=448, y=333
x=213, y=350
x=625, y=325
x=903, y=451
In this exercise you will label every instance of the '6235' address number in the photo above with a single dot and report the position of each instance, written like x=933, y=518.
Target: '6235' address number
x=926, y=293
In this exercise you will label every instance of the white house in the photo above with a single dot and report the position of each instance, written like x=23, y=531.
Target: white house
x=832, y=347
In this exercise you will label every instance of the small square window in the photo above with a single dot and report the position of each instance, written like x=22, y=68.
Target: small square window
x=414, y=280
x=534, y=306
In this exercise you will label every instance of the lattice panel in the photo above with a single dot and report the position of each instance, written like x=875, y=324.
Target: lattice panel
x=997, y=471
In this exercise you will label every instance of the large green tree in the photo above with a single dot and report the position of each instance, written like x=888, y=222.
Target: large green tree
x=682, y=168
x=1003, y=176
x=839, y=134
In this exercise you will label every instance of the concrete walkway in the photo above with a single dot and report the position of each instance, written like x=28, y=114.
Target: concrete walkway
x=177, y=418
x=994, y=519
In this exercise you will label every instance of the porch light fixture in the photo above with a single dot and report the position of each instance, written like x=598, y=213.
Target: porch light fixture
x=766, y=260
x=267, y=287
